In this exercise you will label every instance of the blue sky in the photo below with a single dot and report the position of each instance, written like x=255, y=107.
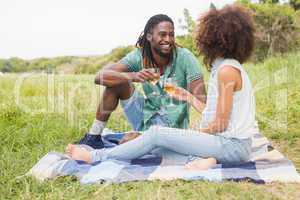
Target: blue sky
x=48, y=28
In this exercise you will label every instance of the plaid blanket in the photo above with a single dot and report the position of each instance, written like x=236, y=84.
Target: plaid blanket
x=266, y=165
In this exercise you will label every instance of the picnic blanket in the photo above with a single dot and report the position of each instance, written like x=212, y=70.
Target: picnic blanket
x=266, y=165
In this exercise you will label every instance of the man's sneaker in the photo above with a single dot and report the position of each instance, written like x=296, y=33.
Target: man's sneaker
x=94, y=141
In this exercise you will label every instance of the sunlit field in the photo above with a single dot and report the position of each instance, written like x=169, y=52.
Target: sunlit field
x=44, y=112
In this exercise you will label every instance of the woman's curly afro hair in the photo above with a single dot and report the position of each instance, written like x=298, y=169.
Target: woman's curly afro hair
x=225, y=33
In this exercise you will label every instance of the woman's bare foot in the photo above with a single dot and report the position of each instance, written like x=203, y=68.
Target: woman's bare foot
x=78, y=153
x=201, y=164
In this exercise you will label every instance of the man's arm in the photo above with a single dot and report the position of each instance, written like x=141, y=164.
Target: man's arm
x=194, y=77
x=118, y=73
x=113, y=74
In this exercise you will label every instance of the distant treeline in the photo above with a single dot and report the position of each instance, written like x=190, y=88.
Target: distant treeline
x=64, y=64
x=277, y=32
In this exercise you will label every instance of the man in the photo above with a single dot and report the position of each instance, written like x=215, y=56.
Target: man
x=156, y=48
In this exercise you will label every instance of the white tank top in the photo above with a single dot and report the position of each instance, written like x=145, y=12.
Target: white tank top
x=242, y=117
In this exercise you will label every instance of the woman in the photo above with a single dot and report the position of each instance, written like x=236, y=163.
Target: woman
x=225, y=38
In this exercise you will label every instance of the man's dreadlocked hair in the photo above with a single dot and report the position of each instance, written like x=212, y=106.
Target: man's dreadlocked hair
x=144, y=44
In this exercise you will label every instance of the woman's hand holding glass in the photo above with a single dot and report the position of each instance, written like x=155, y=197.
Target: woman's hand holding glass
x=181, y=94
x=178, y=93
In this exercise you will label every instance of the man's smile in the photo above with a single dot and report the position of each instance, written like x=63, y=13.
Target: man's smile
x=165, y=46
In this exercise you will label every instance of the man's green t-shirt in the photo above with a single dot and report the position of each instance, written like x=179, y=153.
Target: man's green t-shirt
x=185, y=68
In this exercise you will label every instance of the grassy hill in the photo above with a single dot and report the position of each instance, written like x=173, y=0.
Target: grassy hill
x=44, y=112
x=64, y=64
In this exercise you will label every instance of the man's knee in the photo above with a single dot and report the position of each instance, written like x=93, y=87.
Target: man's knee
x=123, y=91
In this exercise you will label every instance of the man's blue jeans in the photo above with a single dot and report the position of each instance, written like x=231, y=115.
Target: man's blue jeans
x=133, y=109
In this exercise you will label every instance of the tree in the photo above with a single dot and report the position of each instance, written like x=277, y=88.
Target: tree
x=18, y=65
x=295, y=4
x=276, y=29
x=188, y=25
x=269, y=1
x=5, y=66
x=212, y=6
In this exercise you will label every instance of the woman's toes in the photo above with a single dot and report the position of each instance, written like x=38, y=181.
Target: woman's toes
x=70, y=149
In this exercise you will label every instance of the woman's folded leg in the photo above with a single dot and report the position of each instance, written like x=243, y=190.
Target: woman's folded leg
x=186, y=142
x=182, y=141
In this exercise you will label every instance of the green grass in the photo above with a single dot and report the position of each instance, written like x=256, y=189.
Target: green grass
x=40, y=113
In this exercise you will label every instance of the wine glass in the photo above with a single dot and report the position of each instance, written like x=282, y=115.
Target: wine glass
x=156, y=79
x=169, y=87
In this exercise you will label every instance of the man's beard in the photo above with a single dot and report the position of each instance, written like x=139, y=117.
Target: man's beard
x=162, y=54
